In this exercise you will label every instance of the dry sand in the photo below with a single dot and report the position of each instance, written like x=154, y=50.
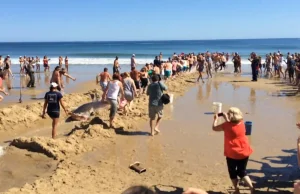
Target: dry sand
x=89, y=158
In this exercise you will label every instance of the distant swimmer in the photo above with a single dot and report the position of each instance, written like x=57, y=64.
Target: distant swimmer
x=103, y=79
x=67, y=63
x=116, y=67
x=133, y=61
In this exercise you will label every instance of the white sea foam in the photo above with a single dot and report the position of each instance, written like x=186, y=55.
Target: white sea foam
x=108, y=61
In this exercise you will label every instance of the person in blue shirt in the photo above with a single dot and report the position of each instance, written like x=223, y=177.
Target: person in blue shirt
x=155, y=91
x=53, y=101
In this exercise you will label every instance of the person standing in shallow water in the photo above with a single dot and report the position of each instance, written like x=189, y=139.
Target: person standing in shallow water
x=155, y=92
x=254, y=66
x=53, y=101
x=116, y=67
x=236, y=146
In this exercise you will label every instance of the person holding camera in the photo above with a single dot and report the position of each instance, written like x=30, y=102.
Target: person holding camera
x=236, y=145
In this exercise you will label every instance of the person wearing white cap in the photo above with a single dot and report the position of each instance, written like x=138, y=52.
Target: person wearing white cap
x=53, y=101
x=133, y=61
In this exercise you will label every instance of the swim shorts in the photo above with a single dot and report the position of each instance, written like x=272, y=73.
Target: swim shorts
x=53, y=115
x=137, y=84
x=103, y=85
x=155, y=110
x=113, y=107
x=144, y=82
x=167, y=73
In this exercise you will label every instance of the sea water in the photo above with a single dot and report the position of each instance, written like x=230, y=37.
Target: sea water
x=104, y=52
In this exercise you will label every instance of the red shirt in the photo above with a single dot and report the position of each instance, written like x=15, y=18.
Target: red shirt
x=236, y=144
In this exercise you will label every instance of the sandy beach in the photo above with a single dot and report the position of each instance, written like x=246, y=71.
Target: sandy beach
x=88, y=157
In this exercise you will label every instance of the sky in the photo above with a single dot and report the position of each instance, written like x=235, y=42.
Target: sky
x=115, y=20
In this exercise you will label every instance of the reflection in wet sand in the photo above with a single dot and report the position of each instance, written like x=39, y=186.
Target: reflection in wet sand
x=216, y=85
x=47, y=78
x=38, y=79
x=200, y=92
x=208, y=89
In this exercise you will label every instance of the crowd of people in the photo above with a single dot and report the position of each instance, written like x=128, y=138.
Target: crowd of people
x=120, y=90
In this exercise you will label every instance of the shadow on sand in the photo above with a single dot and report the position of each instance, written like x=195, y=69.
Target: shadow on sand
x=169, y=189
x=99, y=121
x=278, y=178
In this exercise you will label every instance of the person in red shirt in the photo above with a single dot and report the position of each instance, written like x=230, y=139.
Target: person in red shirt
x=236, y=146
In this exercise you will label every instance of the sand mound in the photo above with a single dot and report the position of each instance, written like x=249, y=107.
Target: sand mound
x=56, y=149
x=17, y=116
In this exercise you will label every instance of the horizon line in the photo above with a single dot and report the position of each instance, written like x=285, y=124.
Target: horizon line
x=144, y=40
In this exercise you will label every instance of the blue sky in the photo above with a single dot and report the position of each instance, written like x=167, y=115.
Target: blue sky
x=92, y=20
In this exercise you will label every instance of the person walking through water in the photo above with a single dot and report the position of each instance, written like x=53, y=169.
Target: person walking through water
x=53, y=101
x=236, y=146
x=111, y=94
x=116, y=67
x=155, y=92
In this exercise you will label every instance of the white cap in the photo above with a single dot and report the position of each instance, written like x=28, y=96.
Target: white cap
x=53, y=84
x=133, y=55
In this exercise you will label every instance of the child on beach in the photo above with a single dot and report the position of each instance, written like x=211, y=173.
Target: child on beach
x=53, y=101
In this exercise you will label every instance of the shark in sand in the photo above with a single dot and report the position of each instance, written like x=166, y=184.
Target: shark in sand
x=83, y=112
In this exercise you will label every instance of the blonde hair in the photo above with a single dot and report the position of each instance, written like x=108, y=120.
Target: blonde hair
x=235, y=115
x=126, y=74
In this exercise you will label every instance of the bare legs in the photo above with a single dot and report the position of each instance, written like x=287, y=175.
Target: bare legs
x=155, y=129
x=54, y=127
x=200, y=76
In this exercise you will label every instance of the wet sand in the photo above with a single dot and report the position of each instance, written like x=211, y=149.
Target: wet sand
x=187, y=152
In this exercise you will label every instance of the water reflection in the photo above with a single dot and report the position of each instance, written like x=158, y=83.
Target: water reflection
x=200, y=92
x=208, y=89
x=38, y=79
x=252, y=100
x=47, y=78
x=216, y=85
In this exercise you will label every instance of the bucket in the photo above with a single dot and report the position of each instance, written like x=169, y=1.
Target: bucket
x=171, y=98
x=248, y=125
x=217, y=107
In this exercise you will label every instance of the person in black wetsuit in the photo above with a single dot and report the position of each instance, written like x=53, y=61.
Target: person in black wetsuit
x=53, y=101
x=254, y=66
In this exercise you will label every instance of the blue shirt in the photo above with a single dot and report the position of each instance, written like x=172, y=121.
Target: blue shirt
x=154, y=91
x=53, y=99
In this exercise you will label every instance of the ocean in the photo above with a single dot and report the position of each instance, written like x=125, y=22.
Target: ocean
x=87, y=59
x=103, y=53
